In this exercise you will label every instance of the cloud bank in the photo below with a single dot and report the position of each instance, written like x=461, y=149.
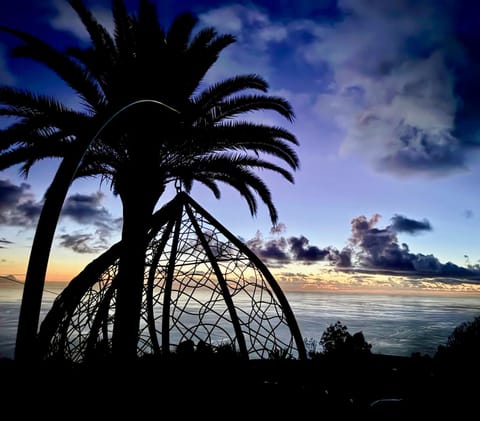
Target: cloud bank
x=396, y=79
x=18, y=208
x=369, y=248
x=17, y=205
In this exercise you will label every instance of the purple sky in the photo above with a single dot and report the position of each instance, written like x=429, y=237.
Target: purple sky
x=386, y=96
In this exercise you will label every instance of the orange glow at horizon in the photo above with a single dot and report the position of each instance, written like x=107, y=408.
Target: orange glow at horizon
x=291, y=278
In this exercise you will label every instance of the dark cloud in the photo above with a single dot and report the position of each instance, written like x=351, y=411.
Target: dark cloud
x=468, y=213
x=379, y=249
x=402, y=224
x=467, y=68
x=280, y=251
x=19, y=208
x=369, y=248
x=4, y=241
x=82, y=243
x=86, y=209
x=17, y=205
x=274, y=250
x=341, y=259
x=301, y=250
x=413, y=68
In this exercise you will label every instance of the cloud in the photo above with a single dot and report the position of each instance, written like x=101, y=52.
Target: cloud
x=468, y=213
x=301, y=250
x=378, y=249
x=280, y=250
x=254, y=31
x=390, y=82
x=275, y=251
x=3, y=240
x=88, y=210
x=411, y=226
x=65, y=19
x=85, y=209
x=17, y=205
x=397, y=80
x=369, y=249
x=82, y=243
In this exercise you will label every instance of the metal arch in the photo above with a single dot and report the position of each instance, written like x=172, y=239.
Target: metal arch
x=151, y=277
x=168, y=287
x=204, y=241
x=64, y=306
x=223, y=284
x=292, y=322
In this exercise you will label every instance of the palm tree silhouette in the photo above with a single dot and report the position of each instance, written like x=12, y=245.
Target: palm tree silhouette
x=172, y=129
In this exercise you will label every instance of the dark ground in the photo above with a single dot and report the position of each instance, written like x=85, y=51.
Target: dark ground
x=368, y=386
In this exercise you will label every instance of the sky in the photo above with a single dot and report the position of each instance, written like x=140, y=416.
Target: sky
x=386, y=97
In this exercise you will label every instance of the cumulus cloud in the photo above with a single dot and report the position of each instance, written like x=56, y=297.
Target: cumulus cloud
x=396, y=79
x=279, y=251
x=82, y=243
x=411, y=226
x=88, y=210
x=369, y=248
x=392, y=77
x=379, y=249
x=275, y=250
x=254, y=31
x=85, y=209
x=18, y=207
x=17, y=204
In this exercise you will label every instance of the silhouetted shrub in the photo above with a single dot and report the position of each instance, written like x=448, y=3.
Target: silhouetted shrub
x=463, y=344
x=337, y=340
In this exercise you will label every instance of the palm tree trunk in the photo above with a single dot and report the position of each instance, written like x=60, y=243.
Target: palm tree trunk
x=137, y=212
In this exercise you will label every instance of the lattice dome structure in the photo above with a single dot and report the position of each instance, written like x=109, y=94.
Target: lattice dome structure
x=201, y=284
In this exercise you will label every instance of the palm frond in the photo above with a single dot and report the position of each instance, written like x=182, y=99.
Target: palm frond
x=219, y=91
x=101, y=39
x=180, y=32
x=124, y=36
x=79, y=79
x=246, y=103
x=30, y=154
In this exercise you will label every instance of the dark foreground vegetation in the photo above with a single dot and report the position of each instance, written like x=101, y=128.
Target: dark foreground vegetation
x=223, y=388
x=341, y=382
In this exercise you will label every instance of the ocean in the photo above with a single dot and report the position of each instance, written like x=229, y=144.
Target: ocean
x=395, y=324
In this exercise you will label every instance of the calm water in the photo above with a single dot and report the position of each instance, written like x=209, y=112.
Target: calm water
x=393, y=324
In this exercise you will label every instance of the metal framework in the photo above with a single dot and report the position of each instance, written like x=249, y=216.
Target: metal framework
x=201, y=284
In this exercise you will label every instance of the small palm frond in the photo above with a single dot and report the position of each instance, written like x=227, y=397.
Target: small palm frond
x=247, y=103
x=210, y=183
x=124, y=35
x=225, y=160
x=246, y=136
x=30, y=154
x=79, y=79
x=219, y=91
x=101, y=39
x=243, y=179
x=201, y=54
x=180, y=31
x=211, y=52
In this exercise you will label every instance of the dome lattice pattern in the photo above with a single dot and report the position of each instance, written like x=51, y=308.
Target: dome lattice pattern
x=201, y=284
